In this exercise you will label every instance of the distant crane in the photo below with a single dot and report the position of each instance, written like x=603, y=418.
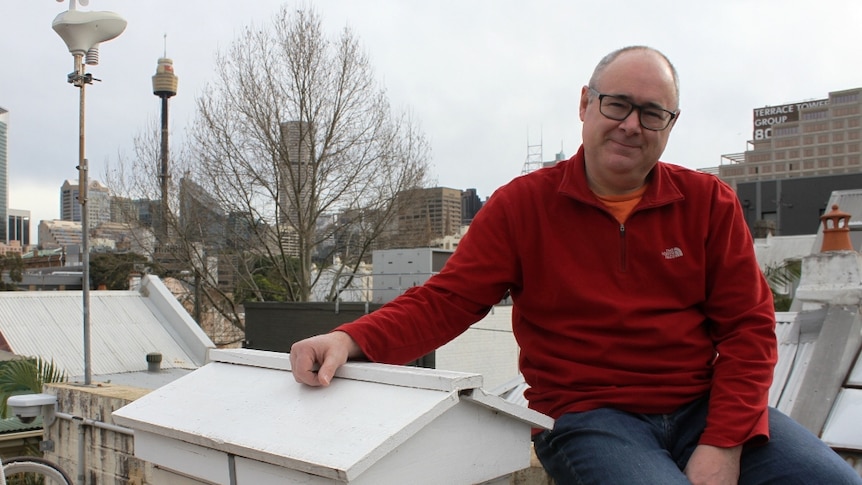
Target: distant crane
x=535, y=159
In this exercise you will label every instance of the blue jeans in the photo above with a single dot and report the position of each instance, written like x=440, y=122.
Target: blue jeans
x=607, y=446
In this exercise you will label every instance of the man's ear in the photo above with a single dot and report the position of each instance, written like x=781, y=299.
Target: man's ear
x=676, y=118
x=585, y=100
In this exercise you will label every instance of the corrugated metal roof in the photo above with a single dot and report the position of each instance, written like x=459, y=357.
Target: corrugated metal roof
x=15, y=425
x=855, y=379
x=125, y=327
x=795, y=348
x=843, y=429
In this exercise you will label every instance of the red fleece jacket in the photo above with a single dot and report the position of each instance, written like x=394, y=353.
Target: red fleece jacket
x=645, y=316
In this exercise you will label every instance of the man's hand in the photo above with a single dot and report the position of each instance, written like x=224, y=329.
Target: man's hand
x=711, y=465
x=314, y=360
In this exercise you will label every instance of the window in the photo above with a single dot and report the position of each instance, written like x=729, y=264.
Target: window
x=845, y=98
x=815, y=115
x=785, y=130
x=846, y=111
x=817, y=126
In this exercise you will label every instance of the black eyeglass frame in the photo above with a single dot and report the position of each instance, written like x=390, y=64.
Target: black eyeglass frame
x=601, y=96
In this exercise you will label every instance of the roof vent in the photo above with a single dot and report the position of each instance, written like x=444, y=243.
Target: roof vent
x=154, y=362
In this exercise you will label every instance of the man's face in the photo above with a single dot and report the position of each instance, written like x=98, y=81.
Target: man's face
x=620, y=154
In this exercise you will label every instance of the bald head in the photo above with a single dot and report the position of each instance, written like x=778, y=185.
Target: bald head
x=608, y=59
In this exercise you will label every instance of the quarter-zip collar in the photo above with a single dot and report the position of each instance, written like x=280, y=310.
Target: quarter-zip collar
x=661, y=190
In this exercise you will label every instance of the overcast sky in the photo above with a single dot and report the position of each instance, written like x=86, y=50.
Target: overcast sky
x=485, y=79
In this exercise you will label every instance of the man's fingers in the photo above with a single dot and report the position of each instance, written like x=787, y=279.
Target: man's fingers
x=315, y=360
x=327, y=371
x=303, y=366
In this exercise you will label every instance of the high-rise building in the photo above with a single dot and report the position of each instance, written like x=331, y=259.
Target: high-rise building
x=427, y=214
x=4, y=172
x=18, y=227
x=296, y=173
x=799, y=153
x=201, y=217
x=98, y=202
x=470, y=205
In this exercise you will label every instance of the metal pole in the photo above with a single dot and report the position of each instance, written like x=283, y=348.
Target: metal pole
x=80, y=81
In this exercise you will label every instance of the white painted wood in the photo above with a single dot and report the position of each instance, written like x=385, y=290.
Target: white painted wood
x=251, y=357
x=843, y=428
x=265, y=415
x=469, y=444
x=495, y=403
x=203, y=463
x=417, y=426
x=396, y=375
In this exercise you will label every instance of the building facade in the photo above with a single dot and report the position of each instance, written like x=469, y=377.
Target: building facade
x=427, y=214
x=18, y=226
x=296, y=173
x=59, y=234
x=4, y=172
x=799, y=153
x=201, y=217
x=98, y=202
x=470, y=205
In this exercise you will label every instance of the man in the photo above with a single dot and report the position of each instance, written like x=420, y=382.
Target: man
x=646, y=328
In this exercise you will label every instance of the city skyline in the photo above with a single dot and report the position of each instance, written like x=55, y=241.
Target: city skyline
x=485, y=80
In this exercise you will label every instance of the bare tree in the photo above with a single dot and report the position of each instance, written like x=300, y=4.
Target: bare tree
x=295, y=160
x=299, y=146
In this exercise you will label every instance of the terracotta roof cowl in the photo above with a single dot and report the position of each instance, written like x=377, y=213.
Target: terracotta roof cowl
x=836, y=231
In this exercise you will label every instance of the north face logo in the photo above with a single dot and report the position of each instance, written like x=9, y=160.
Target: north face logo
x=672, y=253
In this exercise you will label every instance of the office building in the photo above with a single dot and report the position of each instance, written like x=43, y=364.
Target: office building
x=4, y=172
x=470, y=205
x=799, y=153
x=427, y=214
x=201, y=217
x=296, y=172
x=98, y=202
x=59, y=234
x=18, y=226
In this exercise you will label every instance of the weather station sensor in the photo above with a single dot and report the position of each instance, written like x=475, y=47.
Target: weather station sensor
x=27, y=407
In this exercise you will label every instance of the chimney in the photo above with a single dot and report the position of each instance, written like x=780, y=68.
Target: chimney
x=836, y=237
x=834, y=275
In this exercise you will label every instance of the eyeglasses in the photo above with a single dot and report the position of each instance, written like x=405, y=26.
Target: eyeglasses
x=618, y=109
